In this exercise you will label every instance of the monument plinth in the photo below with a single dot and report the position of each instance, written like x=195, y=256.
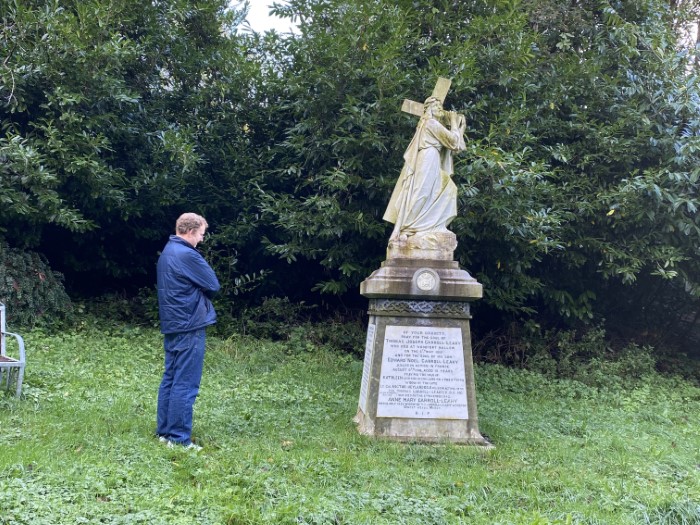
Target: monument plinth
x=418, y=374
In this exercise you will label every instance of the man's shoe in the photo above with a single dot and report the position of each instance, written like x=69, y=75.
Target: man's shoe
x=191, y=447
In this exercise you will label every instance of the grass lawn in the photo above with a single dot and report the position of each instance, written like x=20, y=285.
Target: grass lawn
x=280, y=446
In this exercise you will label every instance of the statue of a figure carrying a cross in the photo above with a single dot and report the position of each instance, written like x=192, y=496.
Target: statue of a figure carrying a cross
x=418, y=374
x=424, y=200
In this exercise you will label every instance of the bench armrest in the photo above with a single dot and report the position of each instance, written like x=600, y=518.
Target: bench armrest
x=20, y=343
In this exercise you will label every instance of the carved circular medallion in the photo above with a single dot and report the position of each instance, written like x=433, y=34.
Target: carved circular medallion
x=426, y=281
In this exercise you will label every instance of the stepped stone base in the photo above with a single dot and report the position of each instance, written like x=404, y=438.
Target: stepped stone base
x=418, y=375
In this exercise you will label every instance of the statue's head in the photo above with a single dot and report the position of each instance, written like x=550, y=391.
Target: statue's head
x=432, y=107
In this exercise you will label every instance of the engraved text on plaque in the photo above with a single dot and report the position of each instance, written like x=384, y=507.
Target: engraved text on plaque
x=422, y=373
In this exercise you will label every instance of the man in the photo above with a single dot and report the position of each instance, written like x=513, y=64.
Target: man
x=186, y=284
x=424, y=199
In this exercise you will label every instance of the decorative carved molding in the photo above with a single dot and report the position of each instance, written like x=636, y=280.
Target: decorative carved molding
x=453, y=309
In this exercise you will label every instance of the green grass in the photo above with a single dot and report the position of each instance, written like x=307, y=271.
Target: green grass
x=280, y=446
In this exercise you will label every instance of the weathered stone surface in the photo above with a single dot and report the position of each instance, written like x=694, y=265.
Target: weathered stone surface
x=421, y=278
x=418, y=375
x=434, y=246
x=424, y=200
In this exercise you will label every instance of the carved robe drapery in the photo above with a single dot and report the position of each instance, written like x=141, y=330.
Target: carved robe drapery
x=425, y=197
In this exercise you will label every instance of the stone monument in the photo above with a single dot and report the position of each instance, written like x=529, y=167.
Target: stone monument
x=418, y=375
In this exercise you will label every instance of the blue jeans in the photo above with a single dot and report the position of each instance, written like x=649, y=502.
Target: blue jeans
x=184, y=359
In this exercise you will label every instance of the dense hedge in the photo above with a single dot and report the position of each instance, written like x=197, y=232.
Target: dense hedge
x=29, y=289
x=578, y=191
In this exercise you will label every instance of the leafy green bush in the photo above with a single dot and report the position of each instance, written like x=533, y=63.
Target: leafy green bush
x=588, y=357
x=302, y=326
x=29, y=288
x=584, y=355
x=140, y=309
x=275, y=318
x=581, y=157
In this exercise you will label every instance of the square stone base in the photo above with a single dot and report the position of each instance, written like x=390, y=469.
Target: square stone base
x=418, y=375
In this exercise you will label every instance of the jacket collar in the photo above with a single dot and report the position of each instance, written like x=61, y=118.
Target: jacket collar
x=180, y=240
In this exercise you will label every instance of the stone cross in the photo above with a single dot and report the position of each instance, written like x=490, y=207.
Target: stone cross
x=442, y=86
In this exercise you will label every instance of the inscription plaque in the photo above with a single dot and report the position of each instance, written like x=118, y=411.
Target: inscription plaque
x=369, y=354
x=422, y=373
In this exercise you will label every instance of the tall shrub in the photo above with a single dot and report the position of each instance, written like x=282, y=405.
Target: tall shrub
x=30, y=290
x=581, y=173
x=115, y=117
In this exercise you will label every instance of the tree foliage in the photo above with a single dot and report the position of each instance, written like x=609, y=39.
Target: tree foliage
x=30, y=290
x=581, y=171
x=577, y=192
x=116, y=117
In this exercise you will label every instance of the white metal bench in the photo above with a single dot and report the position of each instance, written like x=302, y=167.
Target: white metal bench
x=11, y=368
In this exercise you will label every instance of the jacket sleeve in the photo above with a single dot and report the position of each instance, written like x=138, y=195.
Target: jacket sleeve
x=202, y=275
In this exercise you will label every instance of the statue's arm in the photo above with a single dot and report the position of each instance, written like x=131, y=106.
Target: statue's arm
x=449, y=138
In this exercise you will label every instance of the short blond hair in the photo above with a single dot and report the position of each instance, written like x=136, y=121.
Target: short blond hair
x=188, y=222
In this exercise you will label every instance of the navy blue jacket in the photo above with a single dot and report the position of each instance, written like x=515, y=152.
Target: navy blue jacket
x=186, y=283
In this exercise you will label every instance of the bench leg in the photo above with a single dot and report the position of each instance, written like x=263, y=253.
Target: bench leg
x=6, y=376
x=20, y=378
